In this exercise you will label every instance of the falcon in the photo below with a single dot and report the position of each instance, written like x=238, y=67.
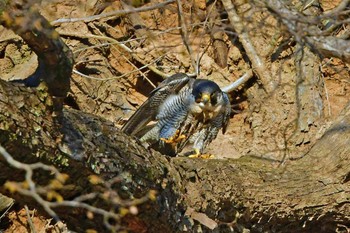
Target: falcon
x=181, y=111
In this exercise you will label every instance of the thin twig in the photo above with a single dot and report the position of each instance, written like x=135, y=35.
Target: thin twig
x=132, y=64
x=200, y=55
x=120, y=76
x=258, y=64
x=243, y=79
x=125, y=48
x=28, y=168
x=140, y=71
x=184, y=35
x=116, y=13
x=8, y=208
x=29, y=219
x=92, y=36
x=33, y=191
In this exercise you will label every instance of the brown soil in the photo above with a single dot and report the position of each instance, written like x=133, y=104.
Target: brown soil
x=22, y=221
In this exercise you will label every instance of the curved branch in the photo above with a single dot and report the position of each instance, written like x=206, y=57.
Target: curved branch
x=258, y=64
x=325, y=46
x=54, y=57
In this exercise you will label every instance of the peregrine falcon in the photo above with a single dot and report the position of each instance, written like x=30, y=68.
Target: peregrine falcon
x=184, y=111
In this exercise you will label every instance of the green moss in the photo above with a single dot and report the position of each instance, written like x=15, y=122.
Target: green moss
x=37, y=128
x=13, y=137
x=61, y=160
x=35, y=141
x=3, y=4
x=4, y=125
x=48, y=102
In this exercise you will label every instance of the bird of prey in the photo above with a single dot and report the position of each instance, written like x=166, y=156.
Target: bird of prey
x=184, y=111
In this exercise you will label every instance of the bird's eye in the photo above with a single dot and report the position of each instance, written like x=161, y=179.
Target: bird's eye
x=213, y=95
x=213, y=98
x=199, y=98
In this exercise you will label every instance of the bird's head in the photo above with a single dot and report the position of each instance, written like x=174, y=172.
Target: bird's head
x=206, y=92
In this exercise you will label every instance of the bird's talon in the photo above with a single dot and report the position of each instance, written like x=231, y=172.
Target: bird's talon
x=174, y=139
x=202, y=156
x=180, y=138
x=197, y=154
x=167, y=140
x=207, y=156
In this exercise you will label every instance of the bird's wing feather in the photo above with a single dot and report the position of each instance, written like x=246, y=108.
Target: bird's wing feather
x=226, y=113
x=173, y=113
x=149, y=109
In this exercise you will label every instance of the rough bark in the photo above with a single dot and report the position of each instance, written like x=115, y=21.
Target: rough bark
x=5, y=202
x=310, y=194
x=55, y=60
x=286, y=120
x=309, y=89
x=25, y=109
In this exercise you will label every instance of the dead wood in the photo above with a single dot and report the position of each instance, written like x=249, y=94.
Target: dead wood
x=55, y=60
x=258, y=64
x=318, y=41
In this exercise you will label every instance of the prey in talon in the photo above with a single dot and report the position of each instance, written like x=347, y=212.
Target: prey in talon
x=181, y=112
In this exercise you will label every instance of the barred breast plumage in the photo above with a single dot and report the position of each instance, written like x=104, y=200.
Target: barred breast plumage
x=191, y=110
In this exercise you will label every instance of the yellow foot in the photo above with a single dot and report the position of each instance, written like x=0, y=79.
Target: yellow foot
x=174, y=139
x=207, y=156
x=197, y=154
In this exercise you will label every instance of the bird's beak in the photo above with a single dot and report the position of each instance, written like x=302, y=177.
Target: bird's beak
x=205, y=98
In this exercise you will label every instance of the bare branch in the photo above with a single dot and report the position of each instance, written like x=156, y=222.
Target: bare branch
x=184, y=35
x=109, y=195
x=29, y=219
x=243, y=79
x=311, y=35
x=54, y=57
x=121, y=45
x=258, y=64
x=123, y=75
x=337, y=9
x=330, y=46
x=114, y=14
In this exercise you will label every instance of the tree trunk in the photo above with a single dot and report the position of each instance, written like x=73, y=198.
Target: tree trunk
x=307, y=195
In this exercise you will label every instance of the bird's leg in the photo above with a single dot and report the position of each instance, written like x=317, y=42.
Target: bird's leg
x=174, y=139
x=198, y=154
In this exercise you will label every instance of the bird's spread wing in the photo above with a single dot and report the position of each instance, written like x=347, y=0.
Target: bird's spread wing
x=149, y=109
